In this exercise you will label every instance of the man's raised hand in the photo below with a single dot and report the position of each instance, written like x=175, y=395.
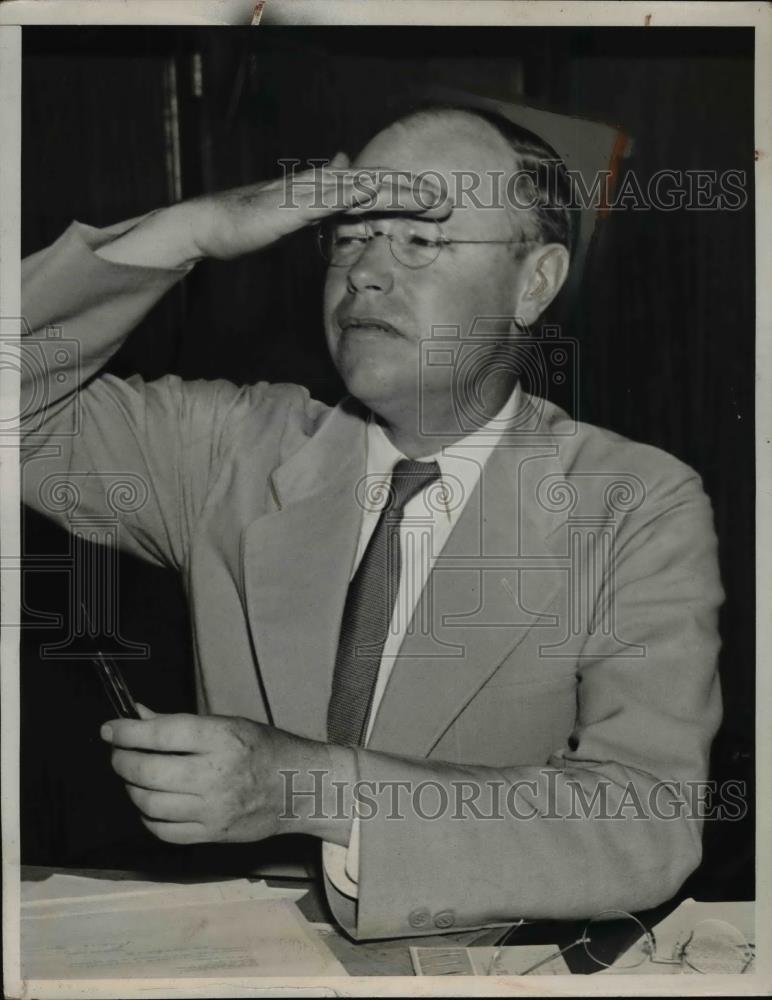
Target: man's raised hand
x=238, y=221
x=227, y=224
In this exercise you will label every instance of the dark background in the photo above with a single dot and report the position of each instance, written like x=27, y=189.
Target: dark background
x=118, y=121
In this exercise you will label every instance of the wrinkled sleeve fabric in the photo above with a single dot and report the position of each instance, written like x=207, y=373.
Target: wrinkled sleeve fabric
x=93, y=444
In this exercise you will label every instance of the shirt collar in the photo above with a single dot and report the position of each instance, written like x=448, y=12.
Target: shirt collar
x=459, y=473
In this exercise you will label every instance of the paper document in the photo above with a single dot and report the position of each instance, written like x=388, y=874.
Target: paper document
x=154, y=896
x=235, y=937
x=513, y=960
x=59, y=886
x=510, y=960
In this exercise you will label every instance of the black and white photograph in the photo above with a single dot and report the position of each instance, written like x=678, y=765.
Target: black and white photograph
x=380, y=544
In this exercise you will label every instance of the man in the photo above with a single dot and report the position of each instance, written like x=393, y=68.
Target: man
x=388, y=604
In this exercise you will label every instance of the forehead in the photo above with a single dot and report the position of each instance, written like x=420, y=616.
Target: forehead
x=450, y=144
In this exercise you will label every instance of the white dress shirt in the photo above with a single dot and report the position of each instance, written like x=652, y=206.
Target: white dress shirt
x=427, y=522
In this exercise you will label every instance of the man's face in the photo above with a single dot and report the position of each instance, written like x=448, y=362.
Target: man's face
x=382, y=366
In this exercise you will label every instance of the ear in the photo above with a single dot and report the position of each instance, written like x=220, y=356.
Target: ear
x=547, y=270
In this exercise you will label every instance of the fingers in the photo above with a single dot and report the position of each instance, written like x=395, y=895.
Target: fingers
x=162, y=733
x=157, y=772
x=400, y=192
x=356, y=190
x=168, y=807
x=177, y=833
x=144, y=712
x=340, y=161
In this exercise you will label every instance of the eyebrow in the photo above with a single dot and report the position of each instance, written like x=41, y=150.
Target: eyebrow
x=367, y=216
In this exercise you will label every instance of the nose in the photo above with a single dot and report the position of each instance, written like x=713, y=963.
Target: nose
x=374, y=271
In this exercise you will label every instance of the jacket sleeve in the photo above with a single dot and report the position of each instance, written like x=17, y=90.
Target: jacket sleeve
x=614, y=819
x=95, y=445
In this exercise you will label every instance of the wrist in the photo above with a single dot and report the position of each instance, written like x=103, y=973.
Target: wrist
x=165, y=238
x=318, y=791
x=182, y=229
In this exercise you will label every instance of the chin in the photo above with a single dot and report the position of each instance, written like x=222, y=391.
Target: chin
x=380, y=391
x=373, y=376
x=371, y=387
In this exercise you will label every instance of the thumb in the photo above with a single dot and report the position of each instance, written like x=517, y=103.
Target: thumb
x=339, y=161
x=145, y=713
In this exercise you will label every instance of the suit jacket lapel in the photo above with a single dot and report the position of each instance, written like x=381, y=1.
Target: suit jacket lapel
x=296, y=564
x=494, y=580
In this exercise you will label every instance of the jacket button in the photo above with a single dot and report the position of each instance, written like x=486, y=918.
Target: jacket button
x=419, y=917
x=445, y=919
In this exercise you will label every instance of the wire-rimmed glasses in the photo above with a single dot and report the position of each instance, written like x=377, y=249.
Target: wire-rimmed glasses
x=710, y=946
x=413, y=242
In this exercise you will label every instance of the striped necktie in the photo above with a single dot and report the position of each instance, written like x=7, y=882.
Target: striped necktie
x=369, y=606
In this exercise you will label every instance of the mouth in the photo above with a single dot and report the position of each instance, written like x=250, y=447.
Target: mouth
x=367, y=324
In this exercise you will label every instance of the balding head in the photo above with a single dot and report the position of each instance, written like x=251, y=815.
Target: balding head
x=511, y=166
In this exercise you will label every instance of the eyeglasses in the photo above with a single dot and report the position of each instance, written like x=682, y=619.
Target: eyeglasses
x=711, y=946
x=413, y=242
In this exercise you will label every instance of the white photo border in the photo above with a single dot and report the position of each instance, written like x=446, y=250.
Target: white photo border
x=647, y=16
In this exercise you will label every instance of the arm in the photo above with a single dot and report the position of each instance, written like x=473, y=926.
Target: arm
x=82, y=296
x=83, y=434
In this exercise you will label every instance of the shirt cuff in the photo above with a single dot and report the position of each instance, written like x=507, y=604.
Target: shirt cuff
x=97, y=239
x=341, y=864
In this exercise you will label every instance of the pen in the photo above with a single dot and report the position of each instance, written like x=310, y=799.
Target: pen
x=112, y=680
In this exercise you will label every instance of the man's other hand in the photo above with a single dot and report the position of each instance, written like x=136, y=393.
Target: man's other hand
x=201, y=779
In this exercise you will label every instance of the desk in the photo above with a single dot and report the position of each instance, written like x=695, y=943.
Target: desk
x=366, y=958
x=392, y=957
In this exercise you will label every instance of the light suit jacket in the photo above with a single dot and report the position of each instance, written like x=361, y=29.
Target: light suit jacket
x=566, y=640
